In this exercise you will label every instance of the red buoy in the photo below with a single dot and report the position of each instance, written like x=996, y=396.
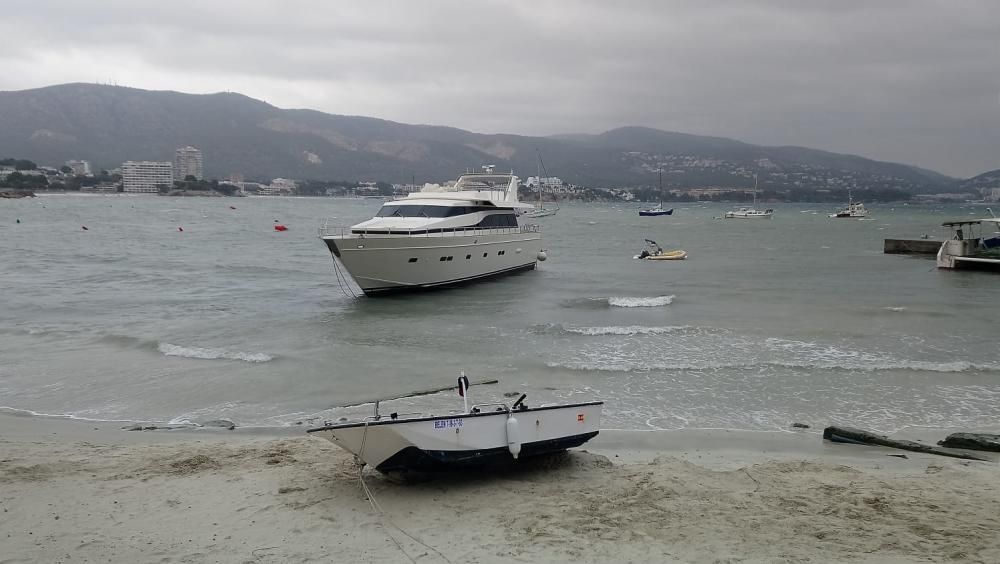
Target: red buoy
x=280, y=227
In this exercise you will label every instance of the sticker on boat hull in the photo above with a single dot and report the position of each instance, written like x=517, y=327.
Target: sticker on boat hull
x=447, y=423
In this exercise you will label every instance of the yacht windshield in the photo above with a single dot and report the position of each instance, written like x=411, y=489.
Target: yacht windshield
x=422, y=211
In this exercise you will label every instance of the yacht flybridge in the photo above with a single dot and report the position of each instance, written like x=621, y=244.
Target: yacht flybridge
x=440, y=237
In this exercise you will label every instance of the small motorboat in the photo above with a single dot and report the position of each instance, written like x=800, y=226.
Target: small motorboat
x=655, y=252
x=480, y=436
x=669, y=255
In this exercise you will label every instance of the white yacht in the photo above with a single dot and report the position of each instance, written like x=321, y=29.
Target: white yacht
x=440, y=237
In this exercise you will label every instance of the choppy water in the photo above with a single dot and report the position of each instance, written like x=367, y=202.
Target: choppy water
x=801, y=318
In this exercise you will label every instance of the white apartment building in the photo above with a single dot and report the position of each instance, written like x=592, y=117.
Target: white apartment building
x=146, y=176
x=188, y=161
x=80, y=168
x=279, y=187
x=547, y=182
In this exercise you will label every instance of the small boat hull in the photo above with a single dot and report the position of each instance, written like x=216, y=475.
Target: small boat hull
x=749, y=214
x=650, y=213
x=669, y=255
x=540, y=212
x=436, y=443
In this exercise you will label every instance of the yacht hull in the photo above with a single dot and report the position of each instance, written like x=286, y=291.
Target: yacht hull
x=741, y=215
x=381, y=265
x=465, y=440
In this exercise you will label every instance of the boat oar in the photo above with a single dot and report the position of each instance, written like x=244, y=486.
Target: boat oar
x=415, y=394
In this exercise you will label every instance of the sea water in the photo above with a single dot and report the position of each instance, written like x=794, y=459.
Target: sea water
x=184, y=309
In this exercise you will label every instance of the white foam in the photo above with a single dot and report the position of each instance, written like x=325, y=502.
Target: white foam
x=891, y=308
x=629, y=301
x=212, y=354
x=625, y=365
x=628, y=330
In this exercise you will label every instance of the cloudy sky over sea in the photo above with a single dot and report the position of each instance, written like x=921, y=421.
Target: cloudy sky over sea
x=915, y=81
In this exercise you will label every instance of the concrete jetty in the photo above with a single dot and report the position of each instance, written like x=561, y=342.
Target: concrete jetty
x=911, y=246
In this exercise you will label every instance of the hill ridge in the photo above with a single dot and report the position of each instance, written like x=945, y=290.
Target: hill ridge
x=239, y=134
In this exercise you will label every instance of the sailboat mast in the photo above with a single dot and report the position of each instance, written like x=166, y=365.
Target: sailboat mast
x=539, y=178
x=660, y=171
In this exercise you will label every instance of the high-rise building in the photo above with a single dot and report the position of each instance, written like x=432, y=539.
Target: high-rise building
x=146, y=176
x=188, y=162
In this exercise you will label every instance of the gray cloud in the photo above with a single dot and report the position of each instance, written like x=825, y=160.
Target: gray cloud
x=915, y=81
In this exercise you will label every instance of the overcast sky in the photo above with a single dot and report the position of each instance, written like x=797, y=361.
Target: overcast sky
x=915, y=81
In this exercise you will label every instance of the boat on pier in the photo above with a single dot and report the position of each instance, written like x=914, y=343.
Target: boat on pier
x=968, y=249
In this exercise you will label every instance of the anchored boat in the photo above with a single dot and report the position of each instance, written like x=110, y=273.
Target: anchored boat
x=440, y=237
x=481, y=435
x=854, y=209
x=751, y=212
x=655, y=252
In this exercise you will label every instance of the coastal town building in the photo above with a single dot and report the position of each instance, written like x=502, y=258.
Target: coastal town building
x=79, y=168
x=188, y=161
x=546, y=181
x=279, y=187
x=404, y=189
x=366, y=189
x=146, y=176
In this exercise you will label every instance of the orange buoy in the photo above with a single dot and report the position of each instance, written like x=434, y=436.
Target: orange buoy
x=280, y=227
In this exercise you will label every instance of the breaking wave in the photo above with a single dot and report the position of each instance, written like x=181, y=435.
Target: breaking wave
x=616, y=365
x=629, y=301
x=628, y=330
x=169, y=349
x=212, y=354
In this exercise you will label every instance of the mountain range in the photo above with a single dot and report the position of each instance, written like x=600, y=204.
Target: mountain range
x=107, y=125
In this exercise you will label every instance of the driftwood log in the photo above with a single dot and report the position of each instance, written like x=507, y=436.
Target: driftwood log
x=972, y=441
x=861, y=437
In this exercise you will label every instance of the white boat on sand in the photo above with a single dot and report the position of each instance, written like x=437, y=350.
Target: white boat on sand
x=482, y=435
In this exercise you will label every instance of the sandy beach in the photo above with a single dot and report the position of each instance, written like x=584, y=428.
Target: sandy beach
x=73, y=491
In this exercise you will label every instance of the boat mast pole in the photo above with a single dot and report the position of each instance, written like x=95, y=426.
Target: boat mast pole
x=539, y=178
x=660, y=172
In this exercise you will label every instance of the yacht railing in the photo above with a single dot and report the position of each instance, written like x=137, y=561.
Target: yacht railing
x=348, y=232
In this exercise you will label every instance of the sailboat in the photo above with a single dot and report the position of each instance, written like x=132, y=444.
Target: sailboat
x=658, y=208
x=540, y=210
x=752, y=212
